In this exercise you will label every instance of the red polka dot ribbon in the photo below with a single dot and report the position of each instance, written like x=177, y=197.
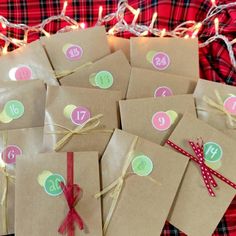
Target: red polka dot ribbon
x=207, y=172
x=72, y=194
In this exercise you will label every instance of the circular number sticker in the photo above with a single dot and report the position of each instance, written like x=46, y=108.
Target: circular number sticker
x=23, y=73
x=173, y=115
x=104, y=79
x=68, y=110
x=161, y=121
x=142, y=165
x=14, y=109
x=163, y=92
x=52, y=184
x=10, y=154
x=161, y=61
x=80, y=115
x=212, y=152
x=230, y=105
x=74, y=53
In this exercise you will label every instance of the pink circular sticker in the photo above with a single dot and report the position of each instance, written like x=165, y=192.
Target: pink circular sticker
x=230, y=105
x=23, y=73
x=10, y=153
x=161, y=121
x=74, y=53
x=80, y=115
x=161, y=61
x=163, y=92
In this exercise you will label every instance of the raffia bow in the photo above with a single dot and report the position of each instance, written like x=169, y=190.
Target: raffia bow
x=64, y=73
x=118, y=185
x=91, y=126
x=7, y=178
x=219, y=105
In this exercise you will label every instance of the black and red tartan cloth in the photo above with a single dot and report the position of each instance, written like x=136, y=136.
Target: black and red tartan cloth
x=214, y=59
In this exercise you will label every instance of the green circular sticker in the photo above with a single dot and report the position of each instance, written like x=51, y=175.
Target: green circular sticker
x=52, y=184
x=104, y=79
x=14, y=109
x=212, y=152
x=150, y=55
x=142, y=165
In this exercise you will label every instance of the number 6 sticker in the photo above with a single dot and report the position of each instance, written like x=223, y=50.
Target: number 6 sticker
x=80, y=115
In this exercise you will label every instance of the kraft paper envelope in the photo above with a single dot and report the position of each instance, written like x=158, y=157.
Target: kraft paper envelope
x=171, y=55
x=147, y=83
x=118, y=76
x=14, y=143
x=22, y=104
x=37, y=212
x=145, y=201
x=195, y=212
x=154, y=118
x=118, y=43
x=27, y=63
x=60, y=104
x=68, y=51
x=214, y=116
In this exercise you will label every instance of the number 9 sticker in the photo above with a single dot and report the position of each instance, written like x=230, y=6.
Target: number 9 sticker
x=161, y=121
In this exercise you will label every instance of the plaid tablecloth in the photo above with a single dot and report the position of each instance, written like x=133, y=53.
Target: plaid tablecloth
x=214, y=60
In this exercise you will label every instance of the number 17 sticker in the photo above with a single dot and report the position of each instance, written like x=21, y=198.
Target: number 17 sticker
x=80, y=115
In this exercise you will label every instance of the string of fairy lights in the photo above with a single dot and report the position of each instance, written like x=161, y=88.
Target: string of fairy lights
x=188, y=29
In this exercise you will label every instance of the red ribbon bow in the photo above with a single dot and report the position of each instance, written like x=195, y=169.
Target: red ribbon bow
x=72, y=194
x=206, y=171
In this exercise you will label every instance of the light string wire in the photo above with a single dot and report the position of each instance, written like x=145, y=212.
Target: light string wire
x=187, y=29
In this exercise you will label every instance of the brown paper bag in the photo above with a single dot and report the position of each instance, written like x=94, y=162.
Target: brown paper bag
x=14, y=143
x=147, y=83
x=89, y=134
x=210, y=98
x=22, y=104
x=41, y=206
x=103, y=74
x=148, y=190
x=170, y=55
x=195, y=212
x=154, y=118
x=27, y=63
x=118, y=43
x=68, y=51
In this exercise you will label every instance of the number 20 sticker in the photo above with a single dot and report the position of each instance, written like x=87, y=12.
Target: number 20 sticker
x=161, y=121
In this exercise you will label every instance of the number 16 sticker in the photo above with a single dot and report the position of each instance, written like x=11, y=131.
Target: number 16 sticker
x=161, y=121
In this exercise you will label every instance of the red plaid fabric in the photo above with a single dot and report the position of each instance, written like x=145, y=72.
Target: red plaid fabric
x=214, y=59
